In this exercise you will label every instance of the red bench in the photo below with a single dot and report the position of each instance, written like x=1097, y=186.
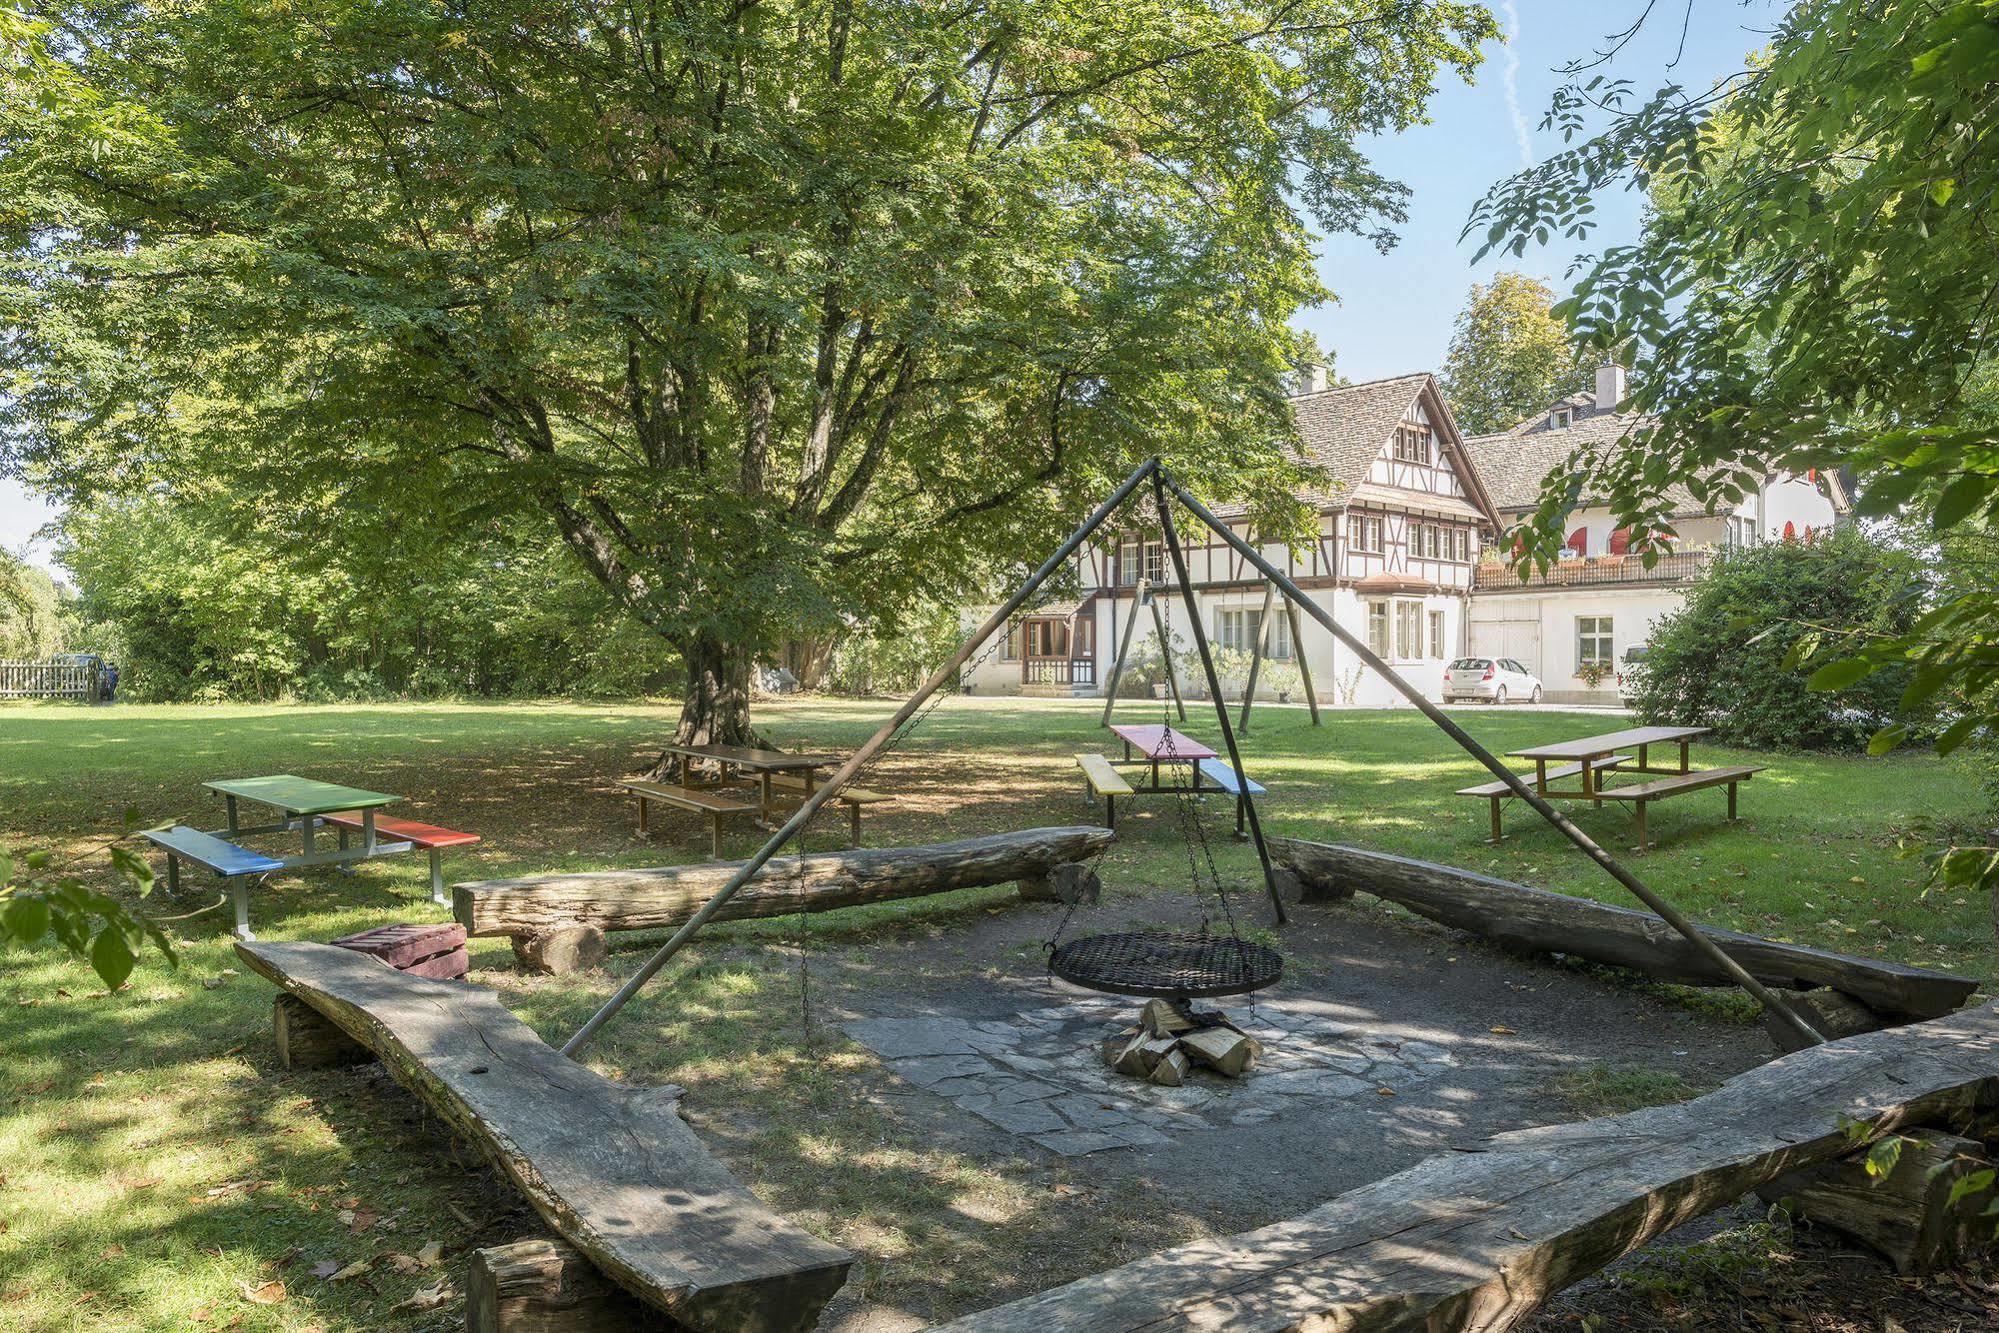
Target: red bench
x=429, y=837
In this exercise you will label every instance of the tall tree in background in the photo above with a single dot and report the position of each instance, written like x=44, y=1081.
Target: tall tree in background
x=775, y=311
x=1509, y=357
x=30, y=610
x=1816, y=289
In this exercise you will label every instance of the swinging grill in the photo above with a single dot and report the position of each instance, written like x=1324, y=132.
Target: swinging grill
x=1166, y=963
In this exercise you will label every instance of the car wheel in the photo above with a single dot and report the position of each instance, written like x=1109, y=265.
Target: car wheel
x=1535, y=697
x=1500, y=697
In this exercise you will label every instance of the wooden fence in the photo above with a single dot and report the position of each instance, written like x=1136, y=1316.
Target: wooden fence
x=49, y=680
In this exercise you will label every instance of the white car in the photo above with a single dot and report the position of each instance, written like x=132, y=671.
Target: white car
x=1490, y=680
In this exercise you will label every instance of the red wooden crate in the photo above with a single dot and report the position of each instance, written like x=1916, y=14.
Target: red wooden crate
x=404, y=946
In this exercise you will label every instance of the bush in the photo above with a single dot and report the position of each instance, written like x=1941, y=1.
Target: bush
x=1720, y=660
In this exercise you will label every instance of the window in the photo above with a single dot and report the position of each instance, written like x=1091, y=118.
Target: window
x=1010, y=650
x=1437, y=634
x=1364, y=532
x=1279, y=647
x=1236, y=628
x=1412, y=444
x=1461, y=543
x=1377, y=628
x=1408, y=630
x=1593, y=641
x=1140, y=560
x=1560, y=418
x=1741, y=533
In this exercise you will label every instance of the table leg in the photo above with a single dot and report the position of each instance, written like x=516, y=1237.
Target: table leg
x=1155, y=772
x=230, y=801
x=1643, y=761
x=1731, y=802
x=173, y=876
x=368, y=832
x=437, y=878
x=1496, y=835
x=642, y=816
x=1589, y=783
x=1643, y=841
x=1683, y=757
x=305, y=824
x=240, y=890
x=1540, y=777
x=854, y=819
x=763, y=789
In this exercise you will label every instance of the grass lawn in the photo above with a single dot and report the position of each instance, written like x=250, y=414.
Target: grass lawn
x=156, y=1168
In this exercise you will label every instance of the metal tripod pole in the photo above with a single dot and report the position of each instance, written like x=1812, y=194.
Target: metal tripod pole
x=1667, y=912
x=844, y=774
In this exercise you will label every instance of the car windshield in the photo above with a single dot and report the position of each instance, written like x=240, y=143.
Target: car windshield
x=1470, y=664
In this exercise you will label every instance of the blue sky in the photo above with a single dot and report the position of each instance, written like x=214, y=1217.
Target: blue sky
x=1393, y=314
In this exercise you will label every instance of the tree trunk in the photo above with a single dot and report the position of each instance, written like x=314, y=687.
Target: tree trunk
x=716, y=710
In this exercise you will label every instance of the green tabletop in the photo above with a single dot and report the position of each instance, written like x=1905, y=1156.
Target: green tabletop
x=300, y=796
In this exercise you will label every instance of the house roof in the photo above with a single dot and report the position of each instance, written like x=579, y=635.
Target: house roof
x=1515, y=462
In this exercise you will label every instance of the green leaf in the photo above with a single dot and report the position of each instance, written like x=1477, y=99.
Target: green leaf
x=111, y=957
x=26, y=918
x=1959, y=499
x=1974, y=1182
x=1886, y=739
x=1838, y=675
x=1958, y=732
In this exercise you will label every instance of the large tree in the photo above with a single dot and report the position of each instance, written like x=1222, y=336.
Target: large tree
x=1815, y=289
x=778, y=312
x=1509, y=357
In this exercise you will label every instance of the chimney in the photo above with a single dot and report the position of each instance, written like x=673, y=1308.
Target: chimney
x=1610, y=387
x=1311, y=377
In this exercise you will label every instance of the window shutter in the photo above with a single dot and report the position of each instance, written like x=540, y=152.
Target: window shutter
x=1620, y=541
x=1578, y=541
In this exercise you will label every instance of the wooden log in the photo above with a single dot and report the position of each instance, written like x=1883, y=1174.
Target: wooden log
x=1063, y=884
x=307, y=1041
x=1161, y=1019
x=1831, y=1013
x=1478, y=1240
x=612, y=1169
x=669, y=895
x=1536, y=919
x=1172, y=1069
x=1221, y=1049
x=564, y=949
x=1905, y=1215
x=544, y=1286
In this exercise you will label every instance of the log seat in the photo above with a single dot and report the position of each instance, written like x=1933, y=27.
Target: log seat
x=612, y=1168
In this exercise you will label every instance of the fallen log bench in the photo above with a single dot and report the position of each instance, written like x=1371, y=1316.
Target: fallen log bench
x=1545, y=922
x=557, y=922
x=611, y=1168
x=1479, y=1240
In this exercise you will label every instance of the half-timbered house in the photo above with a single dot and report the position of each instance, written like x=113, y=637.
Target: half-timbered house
x=1402, y=518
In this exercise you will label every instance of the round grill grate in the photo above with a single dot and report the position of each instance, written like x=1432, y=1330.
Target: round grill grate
x=1157, y=962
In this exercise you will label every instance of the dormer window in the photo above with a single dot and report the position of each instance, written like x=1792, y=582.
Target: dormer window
x=1561, y=418
x=1412, y=444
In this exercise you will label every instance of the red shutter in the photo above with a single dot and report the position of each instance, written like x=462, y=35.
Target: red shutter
x=1790, y=532
x=1578, y=541
x=1620, y=541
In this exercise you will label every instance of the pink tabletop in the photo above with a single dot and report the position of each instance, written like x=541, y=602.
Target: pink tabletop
x=1156, y=742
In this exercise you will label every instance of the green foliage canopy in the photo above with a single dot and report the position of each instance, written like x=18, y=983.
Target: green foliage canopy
x=776, y=312
x=31, y=625
x=1509, y=356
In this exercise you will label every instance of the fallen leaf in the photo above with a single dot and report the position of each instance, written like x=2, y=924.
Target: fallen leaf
x=1502, y=1030
x=112, y=1251
x=402, y=1263
x=427, y=1298
x=355, y=1269
x=1385, y=1092
x=271, y=1293
x=326, y=1268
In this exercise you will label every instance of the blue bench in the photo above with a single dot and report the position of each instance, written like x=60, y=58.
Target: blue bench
x=1219, y=772
x=225, y=859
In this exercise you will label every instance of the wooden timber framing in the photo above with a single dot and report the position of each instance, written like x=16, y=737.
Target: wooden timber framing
x=608, y=900
x=1479, y=1240
x=611, y=1168
x=1547, y=922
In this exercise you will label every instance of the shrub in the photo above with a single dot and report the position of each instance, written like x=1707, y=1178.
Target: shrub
x=1720, y=660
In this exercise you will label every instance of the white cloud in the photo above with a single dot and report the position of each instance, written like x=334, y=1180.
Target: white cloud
x=1510, y=82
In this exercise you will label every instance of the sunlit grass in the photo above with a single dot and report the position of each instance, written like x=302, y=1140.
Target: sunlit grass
x=121, y=1116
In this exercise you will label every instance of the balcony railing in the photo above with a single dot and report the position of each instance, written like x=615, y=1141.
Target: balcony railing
x=1598, y=571
x=1059, y=671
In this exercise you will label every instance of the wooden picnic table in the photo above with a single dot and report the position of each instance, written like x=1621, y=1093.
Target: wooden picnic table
x=301, y=801
x=761, y=763
x=1156, y=744
x=1587, y=750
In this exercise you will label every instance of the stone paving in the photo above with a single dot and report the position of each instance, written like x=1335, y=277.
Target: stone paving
x=1041, y=1074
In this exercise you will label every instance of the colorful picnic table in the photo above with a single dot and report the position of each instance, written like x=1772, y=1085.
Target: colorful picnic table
x=301, y=801
x=762, y=764
x=1156, y=744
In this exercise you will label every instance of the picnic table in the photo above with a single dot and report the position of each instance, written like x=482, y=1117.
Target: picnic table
x=1591, y=758
x=762, y=765
x=300, y=801
x=1586, y=753
x=1158, y=744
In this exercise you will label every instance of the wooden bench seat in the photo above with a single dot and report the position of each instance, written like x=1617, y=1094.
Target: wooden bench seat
x=1105, y=781
x=1497, y=791
x=852, y=797
x=235, y=865
x=1658, y=789
x=713, y=804
x=1220, y=772
x=610, y=1167
x=426, y=837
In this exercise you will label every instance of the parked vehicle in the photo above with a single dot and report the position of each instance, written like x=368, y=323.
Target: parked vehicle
x=1628, y=672
x=1490, y=680
x=107, y=674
